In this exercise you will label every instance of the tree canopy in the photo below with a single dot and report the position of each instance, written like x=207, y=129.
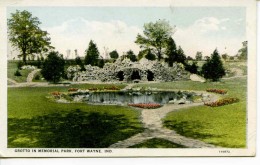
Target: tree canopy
x=114, y=54
x=130, y=54
x=155, y=37
x=92, y=54
x=25, y=34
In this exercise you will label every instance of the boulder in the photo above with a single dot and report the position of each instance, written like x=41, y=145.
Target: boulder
x=195, y=77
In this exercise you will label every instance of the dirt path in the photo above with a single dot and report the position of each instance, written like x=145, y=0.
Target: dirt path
x=12, y=81
x=152, y=120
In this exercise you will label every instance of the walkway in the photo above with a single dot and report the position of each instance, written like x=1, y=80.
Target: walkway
x=152, y=120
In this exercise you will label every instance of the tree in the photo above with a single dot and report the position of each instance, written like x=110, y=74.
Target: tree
x=150, y=56
x=213, y=68
x=53, y=67
x=80, y=63
x=180, y=56
x=114, y=54
x=101, y=63
x=193, y=68
x=198, y=56
x=224, y=56
x=130, y=54
x=243, y=51
x=155, y=37
x=91, y=54
x=24, y=33
x=171, y=52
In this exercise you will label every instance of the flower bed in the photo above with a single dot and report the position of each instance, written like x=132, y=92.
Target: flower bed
x=222, y=102
x=145, y=105
x=73, y=89
x=113, y=88
x=56, y=94
x=219, y=91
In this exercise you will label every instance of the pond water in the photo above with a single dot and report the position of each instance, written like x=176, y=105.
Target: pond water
x=161, y=97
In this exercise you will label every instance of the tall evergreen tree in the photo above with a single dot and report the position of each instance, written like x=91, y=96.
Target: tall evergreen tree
x=92, y=54
x=171, y=52
x=213, y=68
x=180, y=56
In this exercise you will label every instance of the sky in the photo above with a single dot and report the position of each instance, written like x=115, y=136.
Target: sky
x=115, y=28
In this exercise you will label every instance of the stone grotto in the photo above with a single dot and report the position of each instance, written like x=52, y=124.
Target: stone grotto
x=128, y=71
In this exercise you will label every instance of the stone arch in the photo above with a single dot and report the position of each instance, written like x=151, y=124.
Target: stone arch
x=135, y=75
x=150, y=75
x=120, y=76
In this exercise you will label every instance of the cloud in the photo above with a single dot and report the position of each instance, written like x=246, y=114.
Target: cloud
x=207, y=34
x=76, y=34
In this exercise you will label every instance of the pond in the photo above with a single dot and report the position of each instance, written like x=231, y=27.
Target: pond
x=126, y=97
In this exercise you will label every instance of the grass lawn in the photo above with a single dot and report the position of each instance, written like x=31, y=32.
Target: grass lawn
x=157, y=143
x=223, y=126
x=35, y=121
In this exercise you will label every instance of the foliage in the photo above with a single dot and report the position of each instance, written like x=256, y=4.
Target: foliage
x=92, y=54
x=37, y=77
x=181, y=56
x=155, y=37
x=243, y=51
x=213, y=68
x=101, y=63
x=150, y=56
x=19, y=65
x=80, y=63
x=53, y=67
x=25, y=34
x=114, y=54
x=193, y=68
x=130, y=54
x=17, y=73
x=198, y=56
x=171, y=52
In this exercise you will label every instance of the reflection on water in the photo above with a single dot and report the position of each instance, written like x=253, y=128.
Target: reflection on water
x=161, y=97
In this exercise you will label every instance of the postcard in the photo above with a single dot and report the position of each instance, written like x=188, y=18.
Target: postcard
x=128, y=79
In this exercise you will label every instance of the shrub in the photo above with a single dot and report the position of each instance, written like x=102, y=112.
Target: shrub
x=19, y=65
x=17, y=73
x=53, y=67
x=37, y=77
